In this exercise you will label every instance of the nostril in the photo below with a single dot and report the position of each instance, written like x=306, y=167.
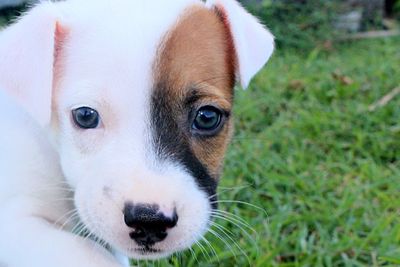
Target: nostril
x=148, y=223
x=138, y=233
x=161, y=235
x=173, y=220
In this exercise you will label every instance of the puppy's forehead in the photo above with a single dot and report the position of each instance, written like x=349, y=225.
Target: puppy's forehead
x=118, y=38
x=182, y=38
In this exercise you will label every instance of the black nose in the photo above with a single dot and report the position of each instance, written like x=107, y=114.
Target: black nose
x=148, y=223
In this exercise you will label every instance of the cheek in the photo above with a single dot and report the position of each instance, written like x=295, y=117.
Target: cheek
x=73, y=165
x=87, y=142
x=83, y=141
x=211, y=151
x=77, y=157
x=78, y=150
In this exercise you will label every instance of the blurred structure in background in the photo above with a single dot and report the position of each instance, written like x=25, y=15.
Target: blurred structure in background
x=14, y=3
x=9, y=9
x=301, y=24
x=308, y=23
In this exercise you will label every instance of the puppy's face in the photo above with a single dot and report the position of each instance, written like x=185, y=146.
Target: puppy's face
x=141, y=115
x=147, y=124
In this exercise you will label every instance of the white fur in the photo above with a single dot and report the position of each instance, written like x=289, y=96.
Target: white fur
x=26, y=56
x=33, y=198
x=107, y=65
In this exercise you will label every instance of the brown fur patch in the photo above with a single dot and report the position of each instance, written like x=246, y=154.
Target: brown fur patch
x=199, y=49
x=196, y=65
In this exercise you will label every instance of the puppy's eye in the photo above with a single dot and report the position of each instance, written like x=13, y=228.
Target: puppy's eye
x=86, y=118
x=207, y=120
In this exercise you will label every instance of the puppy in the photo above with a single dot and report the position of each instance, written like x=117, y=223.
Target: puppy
x=116, y=115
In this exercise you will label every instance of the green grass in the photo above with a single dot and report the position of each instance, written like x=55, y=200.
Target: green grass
x=324, y=168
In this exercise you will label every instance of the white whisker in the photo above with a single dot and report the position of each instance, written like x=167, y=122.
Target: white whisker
x=226, y=233
x=210, y=246
x=241, y=202
x=217, y=235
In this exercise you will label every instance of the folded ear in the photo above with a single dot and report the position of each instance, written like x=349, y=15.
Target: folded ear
x=253, y=43
x=27, y=60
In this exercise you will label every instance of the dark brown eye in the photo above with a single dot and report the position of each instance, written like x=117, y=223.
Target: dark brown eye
x=208, y=119
x=86, y=118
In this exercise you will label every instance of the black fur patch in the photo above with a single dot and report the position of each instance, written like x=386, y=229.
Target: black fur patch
x=170, y=127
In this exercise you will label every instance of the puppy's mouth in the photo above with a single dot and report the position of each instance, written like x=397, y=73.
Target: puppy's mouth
x=146, y=250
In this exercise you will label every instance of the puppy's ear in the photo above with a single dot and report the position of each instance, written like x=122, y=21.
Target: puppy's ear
x=27, y=59
x=253, y=43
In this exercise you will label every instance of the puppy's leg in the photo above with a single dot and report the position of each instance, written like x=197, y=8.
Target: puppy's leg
x=28, y=240
x=33, y=197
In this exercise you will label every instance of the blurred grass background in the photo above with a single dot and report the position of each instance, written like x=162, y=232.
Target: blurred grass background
x=312, y=177
x=320, y=171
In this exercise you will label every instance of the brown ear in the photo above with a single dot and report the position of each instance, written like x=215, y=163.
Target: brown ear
x=253, y=43
x=27, y=59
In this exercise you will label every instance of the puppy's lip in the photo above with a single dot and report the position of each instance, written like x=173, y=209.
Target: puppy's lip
x=148, y=250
